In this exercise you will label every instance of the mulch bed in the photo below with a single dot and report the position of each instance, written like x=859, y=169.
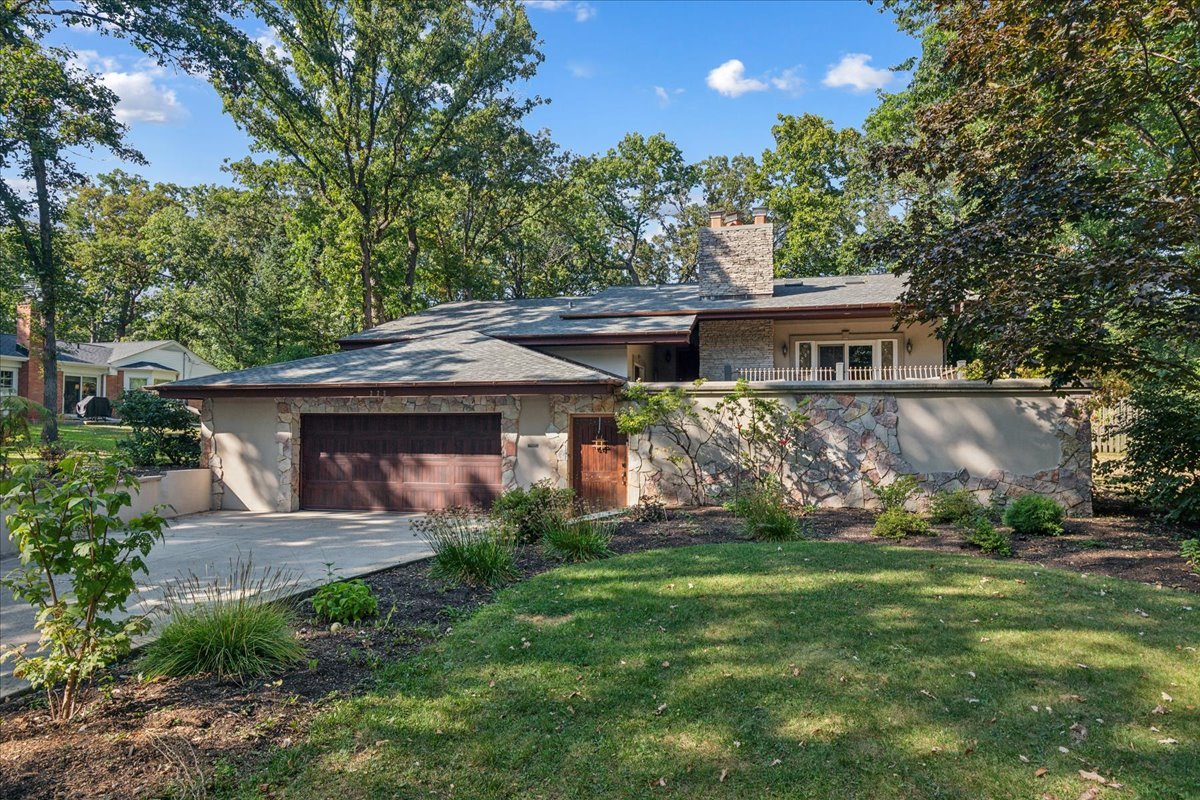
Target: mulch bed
x=144, y=740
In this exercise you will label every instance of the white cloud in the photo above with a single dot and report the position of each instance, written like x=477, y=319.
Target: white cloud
x=665, y=95
x=583, y=11
x=141, y=98
x=789, y=81
x=579, y=70
x=854, y=72
x=730, y=79
x=269, y=40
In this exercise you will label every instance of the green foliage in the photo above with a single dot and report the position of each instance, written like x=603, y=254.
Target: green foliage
x=78, y=561
x=649, y=508
x=1162, y=461
x=165, y=432
x=237, y=626
x=17, y=418
x=983, y=534
x=896, y=523
x=1034, y=515
x=469, y=548
x=580, y=539
x=1189, y=551
x=1049, y=223
x=895, y=494
x=345, y=601
x=767, y=516
x=531, y=512
x=956, y=506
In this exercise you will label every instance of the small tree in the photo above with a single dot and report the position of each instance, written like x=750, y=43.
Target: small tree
x=78, y=559
x=744, y=433
x=164, y=431
x=16, y=429
x=1163, y=459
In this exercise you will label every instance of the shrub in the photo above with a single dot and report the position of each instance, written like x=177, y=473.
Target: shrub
x=1189, y=551
x=78, y=561
x=1034, y=514
x=649, y=508
x=983, y=534
x=896, y=523
x=1163, y=457
x=165, y=432
x=579, y=539
x=897, y=493
x=469, y=547
x=238, y=626
x=529, y=512
x=767, y=516
x=345, y=601
x=956, y=506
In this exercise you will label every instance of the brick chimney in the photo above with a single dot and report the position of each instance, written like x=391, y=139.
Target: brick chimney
x=736, y=260
x=29, y=377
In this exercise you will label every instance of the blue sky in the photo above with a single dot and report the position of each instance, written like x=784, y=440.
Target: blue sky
x=711, y=75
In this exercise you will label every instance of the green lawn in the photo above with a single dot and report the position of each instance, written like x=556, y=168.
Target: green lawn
x=92, y=438
x=816, y=670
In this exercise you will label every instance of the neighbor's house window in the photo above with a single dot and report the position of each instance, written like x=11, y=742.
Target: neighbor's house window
x=8, y=383
x=137, y=383
x=868, y=359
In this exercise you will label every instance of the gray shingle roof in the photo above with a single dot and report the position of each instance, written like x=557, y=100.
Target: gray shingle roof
x=9, y=346
x=515, y=319
x=459, y=357
x=631, y=309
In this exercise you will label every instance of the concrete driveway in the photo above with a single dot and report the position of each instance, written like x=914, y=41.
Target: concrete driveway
x=356, y=542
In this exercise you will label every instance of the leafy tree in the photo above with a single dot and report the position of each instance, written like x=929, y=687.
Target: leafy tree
x=48, y=111
x=1069, y=138
x=365, y=101
x=803, y=180
x=640, y=183
x=1162, y=464
x=78, y=561
x=107, y=220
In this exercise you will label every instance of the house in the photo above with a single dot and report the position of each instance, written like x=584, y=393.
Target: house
x=464, y=400
x=97, y=369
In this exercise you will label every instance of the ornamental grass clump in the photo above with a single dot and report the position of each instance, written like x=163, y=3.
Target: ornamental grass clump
x=238, y=626
x=766, y=515
x=1034, y=515
x=580, y=539
x=470, y=547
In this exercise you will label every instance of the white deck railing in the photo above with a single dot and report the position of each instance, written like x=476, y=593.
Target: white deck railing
x=911, y=372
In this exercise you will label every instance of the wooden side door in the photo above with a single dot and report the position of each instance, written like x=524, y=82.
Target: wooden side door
x=599, y=471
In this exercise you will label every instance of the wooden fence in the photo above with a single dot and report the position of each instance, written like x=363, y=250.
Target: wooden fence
x=1110, y=426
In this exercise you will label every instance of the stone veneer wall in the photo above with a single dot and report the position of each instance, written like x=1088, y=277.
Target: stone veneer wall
x=736, y=261
x=736, y=344
x=851, y=441
x=287, y=432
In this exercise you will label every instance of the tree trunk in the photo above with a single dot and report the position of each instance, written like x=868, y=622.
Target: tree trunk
x=366, y=269
x=629, y=262
x=410, y=264
x=48, y=281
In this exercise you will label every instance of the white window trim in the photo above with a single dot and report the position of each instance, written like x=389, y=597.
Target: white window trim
x=15, y=382
x=815, y=353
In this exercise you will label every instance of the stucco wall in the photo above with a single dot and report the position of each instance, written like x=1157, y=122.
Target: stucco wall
x=178, y=491
x=240, y=449
x=1009, y=440
x=610, y=358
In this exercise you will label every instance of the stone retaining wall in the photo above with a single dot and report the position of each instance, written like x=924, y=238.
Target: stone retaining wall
x=855, y=440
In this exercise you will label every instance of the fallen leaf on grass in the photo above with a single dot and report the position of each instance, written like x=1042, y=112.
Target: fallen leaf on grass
x=660, y=782
x=1159, y=709
x=1167, y=697
x=777, y=762
x=1040, y=772
x=1078, y=733
x=1090, y=793
x=724, y=775
x=1092, y=776
x=1168, y=740
x=1024, y=760
x=658, y=711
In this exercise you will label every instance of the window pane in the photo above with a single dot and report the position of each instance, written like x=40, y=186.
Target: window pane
x=862, y=355
x=8, y=382
x=887, y=353
x=137, y=383
x=804, y=355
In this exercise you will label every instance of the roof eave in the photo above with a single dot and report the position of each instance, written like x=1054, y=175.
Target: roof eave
x=541, y=340
x=399, y=389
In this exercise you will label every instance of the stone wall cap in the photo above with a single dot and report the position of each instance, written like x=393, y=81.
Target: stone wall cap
x=1000, y=387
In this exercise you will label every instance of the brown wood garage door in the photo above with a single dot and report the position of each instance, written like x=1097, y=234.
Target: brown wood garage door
x=399, y=462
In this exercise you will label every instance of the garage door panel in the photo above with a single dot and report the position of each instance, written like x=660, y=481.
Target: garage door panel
x=399, y=462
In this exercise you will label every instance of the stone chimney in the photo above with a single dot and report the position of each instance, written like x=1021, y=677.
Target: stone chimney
x=736, y=260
